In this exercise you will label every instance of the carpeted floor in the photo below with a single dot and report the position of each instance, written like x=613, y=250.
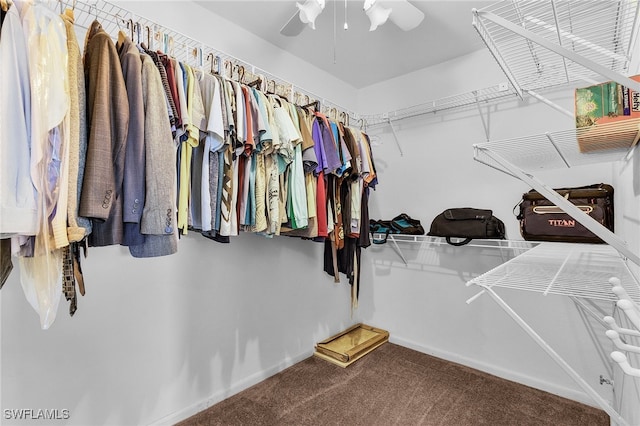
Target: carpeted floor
x=394, y=385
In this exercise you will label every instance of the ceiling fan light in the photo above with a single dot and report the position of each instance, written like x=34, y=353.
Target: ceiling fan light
x=377, y=14
x=310, y=10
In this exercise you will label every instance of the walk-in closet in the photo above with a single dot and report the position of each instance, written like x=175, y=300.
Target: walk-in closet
x=198, y=198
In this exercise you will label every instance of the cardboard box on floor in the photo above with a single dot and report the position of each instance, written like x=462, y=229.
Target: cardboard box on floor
x=607, y=116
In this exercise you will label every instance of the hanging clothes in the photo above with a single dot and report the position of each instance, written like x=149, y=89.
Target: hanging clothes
x=129, y=146
x=41, y=273
x=158, y=222
x=228, y=169
x=133, y=191
x=213, y=138
x=108, y=122
x=345, y=258
x=169, y=66
x=18, y=206
x=164, y=75
x=78, y=226
x=193, y=122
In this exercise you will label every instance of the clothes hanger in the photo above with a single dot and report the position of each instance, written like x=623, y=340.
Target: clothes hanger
x=121, y=34
x=211, y=57
x=342, y=118
x=282, y=92
x=198, y=52
x=194, y=54
x=138, y=28
x=70, y=12
x=286, y=92
x=273, y=82
x=256, y=82
x=228, y=69
x=148, y=30
x=4, y=5
x=239, y=69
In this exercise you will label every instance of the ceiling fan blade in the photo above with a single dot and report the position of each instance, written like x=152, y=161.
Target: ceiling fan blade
x=294, y=27
x=404, y=14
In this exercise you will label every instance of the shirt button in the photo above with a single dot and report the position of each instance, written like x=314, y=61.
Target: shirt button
x=168, y=230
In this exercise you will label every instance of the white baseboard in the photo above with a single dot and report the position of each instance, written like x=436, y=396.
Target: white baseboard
x=495, y=370
x=239, y=386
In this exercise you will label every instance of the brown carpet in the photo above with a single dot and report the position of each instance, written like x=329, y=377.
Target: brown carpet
x=394, y=385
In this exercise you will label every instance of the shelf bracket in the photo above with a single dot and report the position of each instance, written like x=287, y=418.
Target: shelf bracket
x=484, y=122
x=557, y=358
x=476, y=157
x=555, y=18
x=569, y=54
x=395, y=136
x=397, y=249
x=551, y=104
x=590, y=223
x=553, y=142
x=484, y=35
x=598, y=316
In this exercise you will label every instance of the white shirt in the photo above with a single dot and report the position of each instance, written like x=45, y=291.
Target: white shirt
x=18, y=208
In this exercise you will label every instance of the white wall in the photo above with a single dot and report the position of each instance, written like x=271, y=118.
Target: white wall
x=423, y=304
x=156, y=340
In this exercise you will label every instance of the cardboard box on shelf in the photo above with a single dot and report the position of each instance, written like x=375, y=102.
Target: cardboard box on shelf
x=607, y=116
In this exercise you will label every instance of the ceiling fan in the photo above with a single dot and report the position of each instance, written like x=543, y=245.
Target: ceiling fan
x=400, y=12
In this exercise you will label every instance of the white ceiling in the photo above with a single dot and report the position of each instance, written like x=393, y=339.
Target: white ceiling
x=359, y=57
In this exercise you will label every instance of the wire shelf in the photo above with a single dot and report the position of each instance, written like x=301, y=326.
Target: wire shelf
x=579, y=270
x=461, y=100
x=564, y=149
x=603, y=32
x=506, y=248
x=482, y=243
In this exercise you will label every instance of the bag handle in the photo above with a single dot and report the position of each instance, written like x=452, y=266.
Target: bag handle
x=554, y=209
x=459, y=243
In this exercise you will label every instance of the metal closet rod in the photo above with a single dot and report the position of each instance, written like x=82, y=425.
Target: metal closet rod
x=118, y=18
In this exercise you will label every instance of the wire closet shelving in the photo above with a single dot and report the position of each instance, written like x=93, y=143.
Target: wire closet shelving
x=514, y=247
x=544, y=44
x=567, y=269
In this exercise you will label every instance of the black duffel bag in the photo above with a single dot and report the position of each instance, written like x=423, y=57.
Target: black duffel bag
x=467, y=223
